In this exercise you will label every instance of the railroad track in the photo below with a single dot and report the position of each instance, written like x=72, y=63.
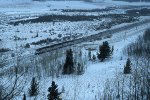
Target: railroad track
x=93, y=37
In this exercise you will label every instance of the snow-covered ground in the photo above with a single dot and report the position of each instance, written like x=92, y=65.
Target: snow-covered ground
x=31, y=10
x=31, y=7
x=11, y=11
x=44, y=7
x=88, y=86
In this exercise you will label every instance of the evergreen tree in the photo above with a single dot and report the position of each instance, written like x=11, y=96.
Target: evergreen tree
x=53, y=92
x=127, y=67
x=104, y=51
x=24, y=97
x=68, y=67
x=34, y=88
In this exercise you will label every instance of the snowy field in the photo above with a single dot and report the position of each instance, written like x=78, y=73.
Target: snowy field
x=21, y=24
x=90, y=85
x=90, y=18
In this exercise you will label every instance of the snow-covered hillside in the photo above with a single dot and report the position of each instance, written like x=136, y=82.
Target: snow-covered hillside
x=26, y=27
